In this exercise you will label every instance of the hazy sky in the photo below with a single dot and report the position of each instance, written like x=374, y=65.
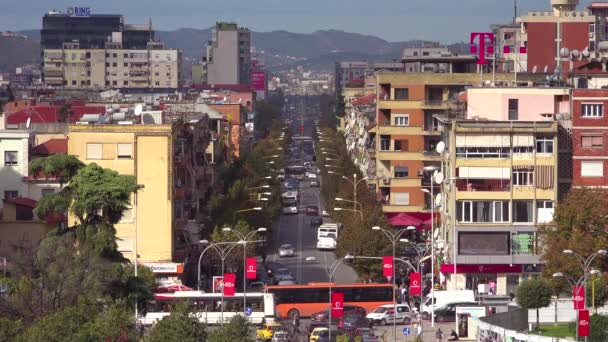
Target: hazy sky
x=393, y=20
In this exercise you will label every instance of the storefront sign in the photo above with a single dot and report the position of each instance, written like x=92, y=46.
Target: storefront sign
x=481, y=268
x=387, y=266
x=229, y=284
x=251, y=264
x=578, y=297
x=79, y=11
x=168, y=267
x=415, y=282
x=337, y=304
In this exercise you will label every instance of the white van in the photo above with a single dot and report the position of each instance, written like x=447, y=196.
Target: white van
x=446, y=297
x=384, y=314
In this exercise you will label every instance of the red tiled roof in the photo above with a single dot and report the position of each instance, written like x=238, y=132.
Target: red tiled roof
x=50, y=114
x=53, y=146
x=24, y=201
x=364, y=100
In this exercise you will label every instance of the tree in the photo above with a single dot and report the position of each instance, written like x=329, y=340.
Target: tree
x=237, y=330
x=534, y=294
x=9, y=329
x=61, y=166
x=65, y=112
x=180, y=325
x=596, y=292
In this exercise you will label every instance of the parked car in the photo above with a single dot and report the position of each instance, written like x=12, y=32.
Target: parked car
x=324, y=213
x=314, y=183
x=353, y=321
x=316, y=221
x=312, y=210
x=311, y=175
x=267, y=330
x=281, y=274
x=280, y=336
x=447, y=313
x=321, y=317
x=286, y=250
x=315, y=333
x=366, y=334
x=384, y=314
x=322, y=335
x=291, y=210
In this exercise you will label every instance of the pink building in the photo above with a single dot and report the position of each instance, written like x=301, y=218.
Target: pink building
x=517, y=104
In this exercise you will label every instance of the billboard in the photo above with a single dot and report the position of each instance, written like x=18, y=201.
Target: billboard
x=258, y=80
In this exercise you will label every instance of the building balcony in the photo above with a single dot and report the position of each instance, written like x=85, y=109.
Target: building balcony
x=490, y=185
x=400, y=155
x=399, y=130
x=435, y=104
x=180, y=193
x=406, y=182
x=395, y=208
x=400, y=104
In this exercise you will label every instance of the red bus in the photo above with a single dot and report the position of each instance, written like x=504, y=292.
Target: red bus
x=304, y=300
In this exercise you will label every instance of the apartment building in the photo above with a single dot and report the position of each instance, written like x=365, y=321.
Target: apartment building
x=502, y=184
x=407, y=133
x=75, y=67
x=589, y=134
x=15, y=148
x=169, y=161
x=228, y=55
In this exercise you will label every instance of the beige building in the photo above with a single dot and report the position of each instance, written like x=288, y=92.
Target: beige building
x=72, y=67
x=228, y=57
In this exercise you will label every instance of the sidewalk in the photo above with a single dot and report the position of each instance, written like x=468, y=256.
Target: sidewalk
x=428, y=333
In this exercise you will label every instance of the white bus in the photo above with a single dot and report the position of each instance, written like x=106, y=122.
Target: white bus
x=207, y=306
x=289, y=197
x=327, y=236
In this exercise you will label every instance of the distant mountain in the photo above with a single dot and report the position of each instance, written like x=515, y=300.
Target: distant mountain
x=281, y=49
x=17, y=51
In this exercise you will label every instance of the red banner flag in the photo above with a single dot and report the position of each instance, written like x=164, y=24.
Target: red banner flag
x=337, y=304
x=387, y=266
x=583, y=323
x=578, y=297
x=415, y=283
x=229, y=280
x=252, y=268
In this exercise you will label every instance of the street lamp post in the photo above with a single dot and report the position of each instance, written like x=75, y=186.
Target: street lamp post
x=353, y=210
x=245, y=239
x=394, y=238
x=223, y=249
x=435, y=176
x=250, y=209
x=330, y=274
x=345, y=200
x=135, y=255
x=585, y=264
x=355, y=184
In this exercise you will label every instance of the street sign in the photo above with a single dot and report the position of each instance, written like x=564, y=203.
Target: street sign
x=406, y=331
x=248, y=311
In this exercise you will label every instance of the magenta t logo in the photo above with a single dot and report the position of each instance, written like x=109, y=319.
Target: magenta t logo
x=482, y=45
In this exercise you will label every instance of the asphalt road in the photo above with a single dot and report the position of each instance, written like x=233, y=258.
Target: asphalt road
x=296, y=229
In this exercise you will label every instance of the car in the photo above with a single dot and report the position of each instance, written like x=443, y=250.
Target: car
x=286, y=250
x=314, y=183
x=366, y=334
x=281, y=176
x=447, y=313
x=315, y=333
x=283, y=274
x=280, y=336
x=291, y=210
x=321, y=317
x=316, y=221
x=286, y=282
x=353, y=321
x=321, y=334
x=325, y=213
x=312, y=210
x=311, y=175
x=267, y=330
x=384, y=314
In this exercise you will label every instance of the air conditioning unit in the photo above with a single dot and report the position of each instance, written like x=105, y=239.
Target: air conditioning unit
x=386, y=180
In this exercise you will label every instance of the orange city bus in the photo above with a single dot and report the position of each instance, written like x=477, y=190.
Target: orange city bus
x=304, y=300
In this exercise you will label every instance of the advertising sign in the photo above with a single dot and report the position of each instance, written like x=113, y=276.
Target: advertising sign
x=79, y=11
x=578, y=297
x=218, y=284
x=337, y=304
x=387, y=266
x=229, y=286
x=583, y=323
x=251, y=264
x=415, y=282
x=258, y=80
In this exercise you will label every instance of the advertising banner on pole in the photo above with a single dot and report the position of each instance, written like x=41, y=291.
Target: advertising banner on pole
x=578, y=297
x=387, y=266
x=229, y=286
x=337, y=304
x=583, y=323
x=252, y=268
x=415, y=284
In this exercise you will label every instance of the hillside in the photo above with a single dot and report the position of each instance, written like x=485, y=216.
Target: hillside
x=17, y=51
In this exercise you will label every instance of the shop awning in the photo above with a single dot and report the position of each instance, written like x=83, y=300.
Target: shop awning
x=481, y=268
x=419, y=220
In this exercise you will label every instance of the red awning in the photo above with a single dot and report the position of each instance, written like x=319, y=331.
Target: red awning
x=481, y=268
x=420, y=220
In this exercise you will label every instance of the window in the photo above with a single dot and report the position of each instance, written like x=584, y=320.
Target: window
x=73, y=82
x=593, y=141
x=9, y=194
x=125, y=55
x=513, y=109
x=402, y=119
x=522, y=211
x=126, y=83
x=114, y=64
x=483, y=211
x=523, y=243
x=114, y=82
x=127, y=216
x=125, y=151
x=544, y=145
x=107, y=55
x=483, y=243
x=124, y=245
x=11, y=158
x=47, y=191
x=592, y=110
x=401, y=171
x=125, y=64
x=385, y=142
x=544, y=211
x=114, y=55
x=523, y=177
x=94, y=151
x=592, y=169
x=402, y=93
x=401, y=198
x=483, y=152
x=425, y=53
x=401, y=145
x=591, y=28
x=157, y=83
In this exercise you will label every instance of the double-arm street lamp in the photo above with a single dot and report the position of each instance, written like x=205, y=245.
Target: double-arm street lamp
x=244, y=240
x=394, y=237
x=330, y=275
x=353, y=210
x=250, y=209
x=577, y=284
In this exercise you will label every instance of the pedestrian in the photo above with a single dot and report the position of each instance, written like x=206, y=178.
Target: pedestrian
x=402, y=290
x=419, y=329
x=264, y=257
x=439, y=335
x=453, y=336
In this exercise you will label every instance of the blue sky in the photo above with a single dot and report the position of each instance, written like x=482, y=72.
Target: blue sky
x=393, y=20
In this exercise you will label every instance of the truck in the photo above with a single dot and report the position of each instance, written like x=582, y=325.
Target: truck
x=327, y=236
x=446, y=297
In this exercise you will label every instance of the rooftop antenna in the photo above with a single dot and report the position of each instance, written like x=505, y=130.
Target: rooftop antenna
x=150, y=27
x=514, y=11
x=28, y=123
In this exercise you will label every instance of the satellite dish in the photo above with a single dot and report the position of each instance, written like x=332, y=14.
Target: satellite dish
x=586, y=53
x=440, y=147
x=534, y=69
x=138, y=109
x=436, y=235
x=546, y=69
x=439, y=177
x=28, y=123
x=438, y=199
x=564, y=52
x=575, y=53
